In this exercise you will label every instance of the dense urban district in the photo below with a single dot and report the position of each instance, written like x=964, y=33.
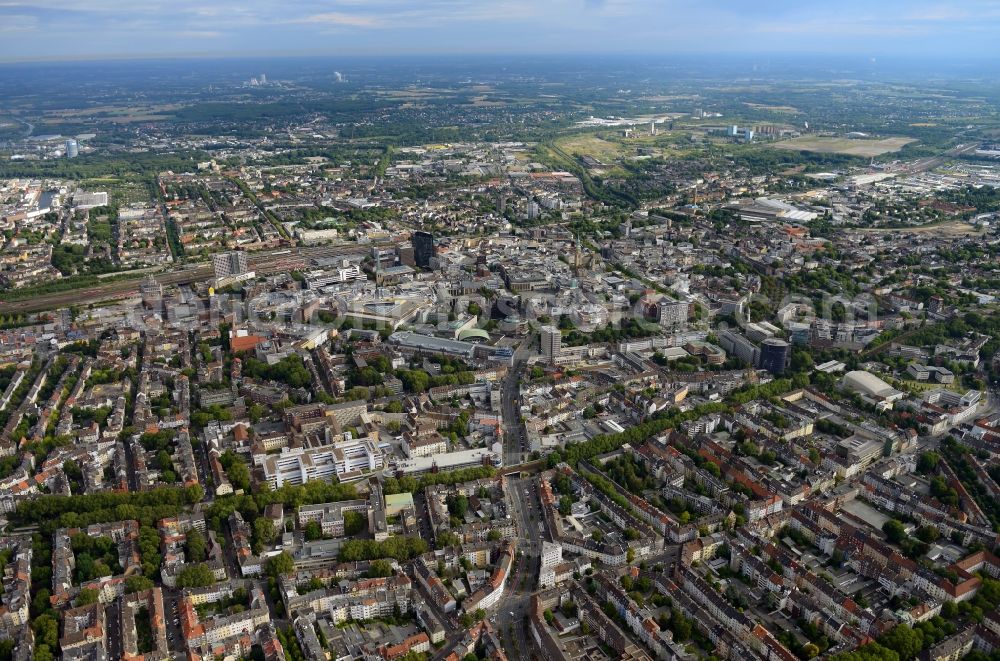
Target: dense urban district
x=498, y=362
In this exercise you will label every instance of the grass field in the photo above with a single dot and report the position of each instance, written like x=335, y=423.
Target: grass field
x=609, y=147
x=849, y=146
x=411, y=93
x=112, y=113
x=780, y=109
x=588, y=144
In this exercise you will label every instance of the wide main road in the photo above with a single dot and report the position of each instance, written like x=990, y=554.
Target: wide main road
x=263, y=262
x=515, y=440
x=513, y=608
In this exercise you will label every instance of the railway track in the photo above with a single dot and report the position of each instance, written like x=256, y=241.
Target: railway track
x=266, y=262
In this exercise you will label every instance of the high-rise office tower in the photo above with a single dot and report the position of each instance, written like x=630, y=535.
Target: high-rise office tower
x=228, y=264
x=774, y=355
x=551, y=343
x=423, y=248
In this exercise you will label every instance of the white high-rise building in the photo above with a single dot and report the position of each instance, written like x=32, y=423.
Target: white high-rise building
x=551, y=343
x=551, y=554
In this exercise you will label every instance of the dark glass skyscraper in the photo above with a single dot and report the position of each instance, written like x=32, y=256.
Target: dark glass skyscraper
x=423, y=248
x=774, y=355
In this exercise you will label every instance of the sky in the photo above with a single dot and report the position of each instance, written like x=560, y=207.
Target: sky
x=72, y=29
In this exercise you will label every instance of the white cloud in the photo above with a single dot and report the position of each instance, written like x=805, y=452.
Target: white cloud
x=842, y=28
x=18, y=23
x=339, y=18
x=199, y=34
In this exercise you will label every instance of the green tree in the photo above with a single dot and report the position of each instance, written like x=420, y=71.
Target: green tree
x=680, y=625
x=380, y=569
x=927, y=462
x=195, y=547
x=149, y=551
x=263, y=530
x=46, y=630
x=415, y=381
x=904, y=640
x=313, y=531
x=894, y=531
x=458, y=505
x=279, y=564
x=236, y=470
x=195, y=576
x=398, y=547
x=87, y=596
x=138, y=584
x=801, y=361
x=354, y=523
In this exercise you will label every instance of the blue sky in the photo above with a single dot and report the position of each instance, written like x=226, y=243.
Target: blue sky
x=32, y=29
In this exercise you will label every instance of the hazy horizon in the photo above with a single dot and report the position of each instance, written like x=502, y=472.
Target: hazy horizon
x=100, y=29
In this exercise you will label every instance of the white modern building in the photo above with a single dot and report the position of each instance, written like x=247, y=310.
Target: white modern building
x=872, y=389
x=301, y=465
